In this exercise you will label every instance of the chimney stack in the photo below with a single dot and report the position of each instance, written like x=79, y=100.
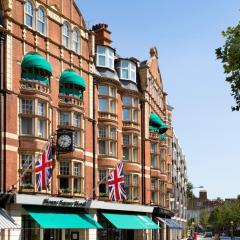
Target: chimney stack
x=102, y=34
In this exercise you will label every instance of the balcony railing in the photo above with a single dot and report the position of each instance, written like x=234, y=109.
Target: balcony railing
x=70, y=100
x=107, y=115
x=34, y=86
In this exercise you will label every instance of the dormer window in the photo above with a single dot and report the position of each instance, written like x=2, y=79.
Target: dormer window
x=105, y=57
x=126, y=70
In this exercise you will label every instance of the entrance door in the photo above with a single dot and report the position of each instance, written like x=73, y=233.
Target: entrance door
x=127, y=235
x=52, y=234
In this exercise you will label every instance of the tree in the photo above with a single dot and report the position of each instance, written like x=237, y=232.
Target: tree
x=204, y=219
x=190, y=194
x=229, y=54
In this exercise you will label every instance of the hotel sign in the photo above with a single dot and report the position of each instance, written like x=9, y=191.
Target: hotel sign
x=62, y=203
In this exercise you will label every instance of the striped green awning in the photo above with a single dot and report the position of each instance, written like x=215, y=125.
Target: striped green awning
x=130, y=221
x=53, y=218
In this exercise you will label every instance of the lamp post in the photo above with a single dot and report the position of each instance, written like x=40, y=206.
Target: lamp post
x=231, y=229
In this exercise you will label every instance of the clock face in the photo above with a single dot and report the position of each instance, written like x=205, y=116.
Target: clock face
x=64, y=141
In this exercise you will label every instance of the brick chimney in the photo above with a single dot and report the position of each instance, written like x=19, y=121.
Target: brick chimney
x=203, y=195
x=102, y=34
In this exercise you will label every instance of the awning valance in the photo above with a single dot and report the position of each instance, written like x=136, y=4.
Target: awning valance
x=130, y=221
x=53, y=218
x=170, y=223
x=6, y=221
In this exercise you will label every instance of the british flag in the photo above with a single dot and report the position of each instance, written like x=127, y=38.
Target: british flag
x=116, y=187
x=43, y=169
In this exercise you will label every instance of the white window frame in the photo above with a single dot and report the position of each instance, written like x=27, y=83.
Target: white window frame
x=76, y=41
x=109, y=57
x=131, y=68
x=27, y=12
x=67, y=34
x=42, y=21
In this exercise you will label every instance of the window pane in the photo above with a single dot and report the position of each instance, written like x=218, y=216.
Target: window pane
x=103, y=189
x=101, y=60
x=41, y=128
x=135, y=115
x=127, y=101
x=112, y=105
x=135, y=102
x=127, y=179
x=126, y=153
x=65, y=118
x=27, y=126
x=124, y=64
x=27, y=179
x=76, y=120
x=27, y=106
x=41, y=108
x=101, y=50
x=77, y=139
x=41, y=20
x=112, y=133
x=125, y=73
x=27, y=160
x=135, y=193
x=126, y=115
x=135, y=155
x=135, y=180
x=64, y=184
x=102, y=175
x=135, y=140
x=102, y=105
x=112, y=92
x=112, y=151
x=77, y=169
x=102, y=147
x=102, y=132
x=126, y=139
x=29, y=13
x=64, y=168
x=103, y=90
x=77, y=188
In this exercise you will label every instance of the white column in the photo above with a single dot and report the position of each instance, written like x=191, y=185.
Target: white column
x=63, y=234
x=41, y=234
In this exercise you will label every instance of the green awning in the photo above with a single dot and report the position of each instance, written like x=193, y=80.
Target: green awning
x=130, y=221
x=35, y=60
x=162, y=136
x=156, y=122
x=52, y=218
x=70, y=76
x=31, y=76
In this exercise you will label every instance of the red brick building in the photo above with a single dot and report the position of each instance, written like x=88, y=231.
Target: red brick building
x=57, y=74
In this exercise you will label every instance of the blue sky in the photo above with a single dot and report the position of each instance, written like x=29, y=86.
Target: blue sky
x=186, y=34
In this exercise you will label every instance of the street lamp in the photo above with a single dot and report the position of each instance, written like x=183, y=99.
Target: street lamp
x=231, y=229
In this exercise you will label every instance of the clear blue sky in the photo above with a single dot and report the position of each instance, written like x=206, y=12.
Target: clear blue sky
x=186, y=34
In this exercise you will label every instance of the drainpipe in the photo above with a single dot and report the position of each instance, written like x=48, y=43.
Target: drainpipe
x=94, y=139
x=143, y=148
x=2, y=95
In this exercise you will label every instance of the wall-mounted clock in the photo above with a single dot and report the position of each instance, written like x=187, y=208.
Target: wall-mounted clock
x=65, y=140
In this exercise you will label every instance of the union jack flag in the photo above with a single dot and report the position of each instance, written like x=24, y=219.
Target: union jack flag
x=116, y=187
x=43, y=169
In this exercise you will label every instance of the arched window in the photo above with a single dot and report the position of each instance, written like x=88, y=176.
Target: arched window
x=76, y=41
x=41, y=20
x=29, y=14
x=66, y=35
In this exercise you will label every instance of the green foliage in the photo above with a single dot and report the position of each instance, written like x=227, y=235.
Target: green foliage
x=229, y=54
x=190, y=194
x=222, y=216
x=204, y=219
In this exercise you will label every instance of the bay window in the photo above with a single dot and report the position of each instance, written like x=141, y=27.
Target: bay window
x=71, y=177
x=107, y=99
x=107, y=140
x=130, y=109
x=105, y=57
x=130, y=147
x=33, y=121
x=154, y=155
x=126, y=70
x=132, y=187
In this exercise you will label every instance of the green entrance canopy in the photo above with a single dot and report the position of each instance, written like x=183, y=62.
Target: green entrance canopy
x=130, y=221
x=157, y=123
x=70, y=76
x=52, y=218
x=35, y=60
